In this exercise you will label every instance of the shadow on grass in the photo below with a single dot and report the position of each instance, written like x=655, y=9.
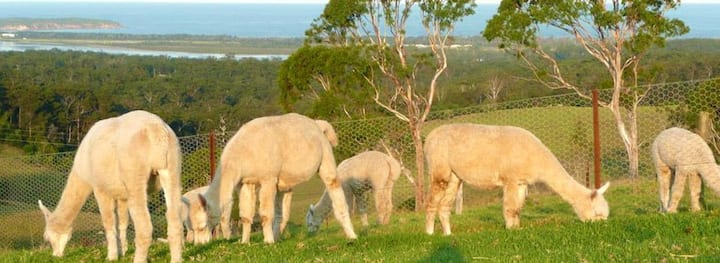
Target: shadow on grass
x=446, y=252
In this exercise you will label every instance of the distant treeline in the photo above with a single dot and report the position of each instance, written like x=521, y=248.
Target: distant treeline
x=49, y=99
x=54, y=96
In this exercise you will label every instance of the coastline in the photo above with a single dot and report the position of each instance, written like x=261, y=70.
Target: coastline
x=12, y=46
x=20, y=24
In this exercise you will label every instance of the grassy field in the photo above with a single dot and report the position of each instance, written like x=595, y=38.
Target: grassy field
x=550, y=232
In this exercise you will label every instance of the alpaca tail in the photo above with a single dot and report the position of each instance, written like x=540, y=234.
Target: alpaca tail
x=394, y=169
x=328, y=130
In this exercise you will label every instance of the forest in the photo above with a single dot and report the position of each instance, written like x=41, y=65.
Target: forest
x=49, y=99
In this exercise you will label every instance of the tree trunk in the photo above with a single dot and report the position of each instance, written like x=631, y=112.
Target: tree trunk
x=629, y=138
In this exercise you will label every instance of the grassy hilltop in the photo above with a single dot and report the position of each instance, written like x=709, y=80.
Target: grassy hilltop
x=549, y=232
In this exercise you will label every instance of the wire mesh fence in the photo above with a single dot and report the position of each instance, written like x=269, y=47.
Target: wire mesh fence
x=563, y=123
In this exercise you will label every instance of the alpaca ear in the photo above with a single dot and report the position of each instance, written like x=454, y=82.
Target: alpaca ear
x=312, y=209
x=203, y=201
x=600, y=191
x=185, y=201
x=603, y=188
x=46, y=212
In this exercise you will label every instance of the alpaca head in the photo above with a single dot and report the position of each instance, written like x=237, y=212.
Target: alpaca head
x=310, y=220
x=196, y=219
x=57, y=238
x=598, y=209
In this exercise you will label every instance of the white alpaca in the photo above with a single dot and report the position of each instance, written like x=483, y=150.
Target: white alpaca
x=490, y=156
x=195, y=216
x=685, y=154
x=359, y=174
x=275, y=153
x=119, y=161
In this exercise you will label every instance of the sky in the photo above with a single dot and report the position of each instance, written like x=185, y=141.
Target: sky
x=264, y=1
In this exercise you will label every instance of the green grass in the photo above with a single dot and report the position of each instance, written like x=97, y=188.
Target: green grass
x=550, y=232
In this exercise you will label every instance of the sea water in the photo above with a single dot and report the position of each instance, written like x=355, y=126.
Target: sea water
x=260, y=20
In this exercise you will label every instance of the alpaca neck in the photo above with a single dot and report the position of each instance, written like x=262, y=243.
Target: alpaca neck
x=564, y=185
x=711, y=176
x=322, y=208
x=220, y=191
x=71, y=201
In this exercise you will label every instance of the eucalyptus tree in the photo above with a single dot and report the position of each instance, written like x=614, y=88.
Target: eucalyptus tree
x=377, y=30
x=617, y=33
x=326, y=81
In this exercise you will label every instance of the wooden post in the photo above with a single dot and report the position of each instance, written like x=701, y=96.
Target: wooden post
x=596, y=137
x=587, y=174
x=212, y=155
x=704, y=125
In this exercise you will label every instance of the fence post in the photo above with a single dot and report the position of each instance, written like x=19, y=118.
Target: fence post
x=212, y=155
x=704, y=128
x=704, y=125
x=596, y=137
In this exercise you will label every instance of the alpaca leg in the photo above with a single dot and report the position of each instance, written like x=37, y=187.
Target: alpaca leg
x=225, y=218
x=278, y=218
x=664, y=175
x=383, y=203
x=106, y=205
x=287, y=200
x=123, y=220
x=328, y=174
x=513, y=198
x=446, y=203
x=172, y=191
x=246, y=205
x=361, y=199
x=676, y=190
x=695, y=182
x=438, y=188
x=189, y=236
x=388, y=203
x=137, y=205
x=267, y=210
x=352, y=192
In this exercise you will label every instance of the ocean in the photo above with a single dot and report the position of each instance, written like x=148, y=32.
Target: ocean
x=272, y=20
x=256, y=21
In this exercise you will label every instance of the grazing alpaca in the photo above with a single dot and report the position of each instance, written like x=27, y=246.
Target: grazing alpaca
x=119, y=161
x=688, y=156
x=490, y=156
x=358, y=174
x=275, y=153
x=194, y=216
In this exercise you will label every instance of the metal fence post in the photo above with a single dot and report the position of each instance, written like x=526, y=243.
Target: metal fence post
x=212, y=155
x=596, y=137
